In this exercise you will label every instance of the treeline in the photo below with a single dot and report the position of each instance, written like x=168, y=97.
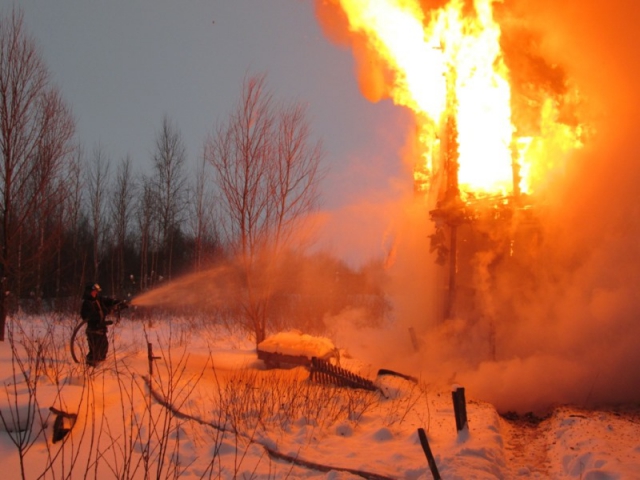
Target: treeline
x=107, y=224
x=68, y=216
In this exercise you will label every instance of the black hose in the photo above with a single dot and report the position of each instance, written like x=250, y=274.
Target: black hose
x=72, y=345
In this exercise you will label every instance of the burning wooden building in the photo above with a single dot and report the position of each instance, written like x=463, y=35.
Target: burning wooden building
x=493, y=120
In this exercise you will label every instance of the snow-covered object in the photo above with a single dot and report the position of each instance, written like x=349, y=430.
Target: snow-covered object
x=295, y=344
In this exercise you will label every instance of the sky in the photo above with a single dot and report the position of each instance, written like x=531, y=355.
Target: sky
x=121, y=65
x=212, y=380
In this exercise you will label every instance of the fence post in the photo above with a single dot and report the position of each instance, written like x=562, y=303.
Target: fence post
x=459, y=407
x=151, y=358
x=427, y=451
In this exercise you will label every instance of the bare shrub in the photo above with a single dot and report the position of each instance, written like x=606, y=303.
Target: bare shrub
x=410, y=399
x=253, y=401
x=34, y=356
x=161, y=450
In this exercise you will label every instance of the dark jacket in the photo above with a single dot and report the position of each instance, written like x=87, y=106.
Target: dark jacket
x=95, y=311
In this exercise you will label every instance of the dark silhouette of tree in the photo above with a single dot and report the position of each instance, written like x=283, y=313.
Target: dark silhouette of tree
x=71, y=259
x=98, y=189
x=36, y=129
x=169, y=188
x=146, y=231
x=202, y=218
x=121, y=215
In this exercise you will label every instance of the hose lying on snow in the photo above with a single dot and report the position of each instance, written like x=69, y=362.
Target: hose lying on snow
x=72, y=345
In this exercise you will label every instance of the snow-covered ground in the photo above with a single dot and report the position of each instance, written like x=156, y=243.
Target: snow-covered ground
x=210, y=409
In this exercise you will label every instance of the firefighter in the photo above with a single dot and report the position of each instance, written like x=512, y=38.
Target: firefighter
x=94, y=311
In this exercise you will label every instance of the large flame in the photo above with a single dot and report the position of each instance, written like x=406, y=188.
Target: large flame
x=447, y=65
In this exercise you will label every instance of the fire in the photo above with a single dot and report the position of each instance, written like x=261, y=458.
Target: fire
x=448, y=67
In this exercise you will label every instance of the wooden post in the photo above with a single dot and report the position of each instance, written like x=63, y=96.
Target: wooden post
x=427, y=451
x=459, y=407
x=151, y=358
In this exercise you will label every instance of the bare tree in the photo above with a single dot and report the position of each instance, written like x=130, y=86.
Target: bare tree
x=121, y=206
x=97, y=185
x=35, y=124
x=146, y=229
x=50, y=187
x=202, y=218
x=72, y=213
x=267, y=170
x=169, y=187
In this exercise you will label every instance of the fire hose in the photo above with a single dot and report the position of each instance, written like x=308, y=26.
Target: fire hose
x=72, y=345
